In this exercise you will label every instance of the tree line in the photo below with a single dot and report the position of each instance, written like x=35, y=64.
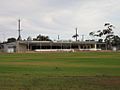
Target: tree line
x=38, y=38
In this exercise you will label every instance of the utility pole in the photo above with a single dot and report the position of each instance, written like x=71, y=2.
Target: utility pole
x=82, y=38
x=76, y=34
x=19, y=30
x=58, y=37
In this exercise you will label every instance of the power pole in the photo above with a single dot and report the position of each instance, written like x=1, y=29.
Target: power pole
x=58, y=37
x=82, y=38
x=76, y=34
x=19, y=30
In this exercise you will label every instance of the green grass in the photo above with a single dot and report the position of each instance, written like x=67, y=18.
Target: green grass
x=60, y=71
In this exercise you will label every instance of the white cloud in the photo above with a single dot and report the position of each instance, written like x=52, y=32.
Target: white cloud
x=53, y=17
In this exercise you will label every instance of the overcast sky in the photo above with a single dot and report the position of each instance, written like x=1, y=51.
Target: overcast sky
x=57, y=17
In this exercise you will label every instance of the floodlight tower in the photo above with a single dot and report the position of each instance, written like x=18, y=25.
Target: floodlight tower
x=19, y=30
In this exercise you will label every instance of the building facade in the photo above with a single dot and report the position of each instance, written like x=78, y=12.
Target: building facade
x=37, y=46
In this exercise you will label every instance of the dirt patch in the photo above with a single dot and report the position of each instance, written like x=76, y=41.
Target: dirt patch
x=110, y=81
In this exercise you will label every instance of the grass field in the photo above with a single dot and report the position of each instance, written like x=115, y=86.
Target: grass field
x=60, y=71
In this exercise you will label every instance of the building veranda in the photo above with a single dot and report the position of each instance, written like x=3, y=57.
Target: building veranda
x=39, y=46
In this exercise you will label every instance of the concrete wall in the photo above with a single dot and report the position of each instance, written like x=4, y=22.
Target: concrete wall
x=21, y=47
x=9, y=47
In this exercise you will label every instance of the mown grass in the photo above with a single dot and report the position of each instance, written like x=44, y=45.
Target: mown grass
x=60, y=71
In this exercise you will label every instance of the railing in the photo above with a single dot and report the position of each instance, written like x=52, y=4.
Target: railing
x=54, y=50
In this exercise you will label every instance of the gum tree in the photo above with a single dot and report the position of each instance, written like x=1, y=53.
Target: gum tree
x=110, y=38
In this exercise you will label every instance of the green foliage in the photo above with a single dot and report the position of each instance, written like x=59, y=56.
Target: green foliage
x=76, y=35
x=114, y=40
x=11, y=40
x=111, y=39
x=42, y=38
x=107, y=31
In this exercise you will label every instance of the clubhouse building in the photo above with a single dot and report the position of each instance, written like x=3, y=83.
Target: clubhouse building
x=51, y=46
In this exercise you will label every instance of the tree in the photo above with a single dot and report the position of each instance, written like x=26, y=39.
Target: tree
x=11, y=40
x=107, y=31
x=110, y=39
x=42, y=38
x=114, y=40
x=76, y=35
x=100, y=40
x=29, y=39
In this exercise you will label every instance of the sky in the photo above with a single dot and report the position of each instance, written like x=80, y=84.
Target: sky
x=57, y=17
